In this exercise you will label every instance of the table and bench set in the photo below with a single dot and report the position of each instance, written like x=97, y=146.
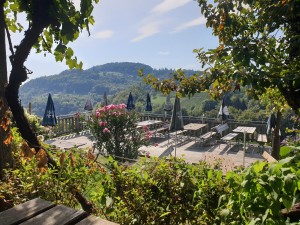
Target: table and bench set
x=195, y=132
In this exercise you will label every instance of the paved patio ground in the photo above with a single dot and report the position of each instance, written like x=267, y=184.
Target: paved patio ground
x=228, y=156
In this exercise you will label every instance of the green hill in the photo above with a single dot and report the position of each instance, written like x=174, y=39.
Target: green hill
x=71, y=88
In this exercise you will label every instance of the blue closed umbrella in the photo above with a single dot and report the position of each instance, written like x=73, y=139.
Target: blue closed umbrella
x=130, y=102
x=148, y=105
x=49, y=118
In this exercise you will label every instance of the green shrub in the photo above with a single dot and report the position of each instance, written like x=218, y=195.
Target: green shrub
x=116, y=132
x=161, y=191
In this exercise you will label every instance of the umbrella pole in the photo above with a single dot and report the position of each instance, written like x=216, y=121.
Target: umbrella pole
x=175, y=142
x=175, y=135
x=244, y=148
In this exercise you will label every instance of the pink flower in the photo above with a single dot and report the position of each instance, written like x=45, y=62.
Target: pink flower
x=155, y=144
x=146, y=128
x=102, y=123
x=106, y=130
x=147, y=137
x=97, y=113
x=122, y=106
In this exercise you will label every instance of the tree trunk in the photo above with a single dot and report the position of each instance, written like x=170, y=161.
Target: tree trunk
x=276, y=137
x=41, y=20
x=5, y=149
x=19, y=75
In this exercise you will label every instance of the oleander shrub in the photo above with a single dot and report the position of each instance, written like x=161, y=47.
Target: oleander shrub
x=116, y=133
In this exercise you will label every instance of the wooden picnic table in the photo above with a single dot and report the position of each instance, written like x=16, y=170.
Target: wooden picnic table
x=149, y=123
x=244, y=130
x=194, y=127
x=248, y=130
x=41, y=212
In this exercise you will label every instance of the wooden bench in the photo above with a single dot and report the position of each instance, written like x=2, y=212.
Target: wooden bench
x=39, y=211
x=229, y=137
x=268, y=157
x=220, y=128
x=179, y=134
x=262, y=138
x=162, y=130
x=207, y=137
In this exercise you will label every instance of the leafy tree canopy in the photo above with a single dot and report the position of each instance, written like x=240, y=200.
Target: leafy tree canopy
x=59, y=20
x=52, y=24
x=258, y=48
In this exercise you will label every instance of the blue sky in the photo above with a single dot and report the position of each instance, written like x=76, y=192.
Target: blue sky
x=159, y=33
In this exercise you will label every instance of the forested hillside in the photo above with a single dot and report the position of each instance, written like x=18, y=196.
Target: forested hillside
x=71, y=88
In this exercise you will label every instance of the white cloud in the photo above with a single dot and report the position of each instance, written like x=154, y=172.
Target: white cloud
x=152, y=24
x=148, y=30
x=104, y=34
x=163, y=53
x=168, y=5
x=196, y=22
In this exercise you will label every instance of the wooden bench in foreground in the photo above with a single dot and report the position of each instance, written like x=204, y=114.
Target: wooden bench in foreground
x=268, y=157
x=41, y=212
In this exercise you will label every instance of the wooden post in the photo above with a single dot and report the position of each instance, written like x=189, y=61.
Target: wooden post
x=29, y=108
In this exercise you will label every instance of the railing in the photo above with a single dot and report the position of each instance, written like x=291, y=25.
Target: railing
x=72, y=124
x=68, y=124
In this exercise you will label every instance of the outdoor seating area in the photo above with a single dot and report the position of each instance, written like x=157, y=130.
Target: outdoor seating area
x=199, y=136
x=176, y=133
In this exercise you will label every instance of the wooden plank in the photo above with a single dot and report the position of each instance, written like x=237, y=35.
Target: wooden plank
x=179, y=132
x=222, y=127
x=229, y=136
x=262, y=138
x=59, y=215
x=208, y=135
x=241, y=129
x=161, y=129
x=194, y=126
x=24, y=211
x=268, y=157
x=93, y=220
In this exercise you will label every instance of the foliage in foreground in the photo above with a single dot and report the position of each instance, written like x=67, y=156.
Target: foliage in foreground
x=161, y=191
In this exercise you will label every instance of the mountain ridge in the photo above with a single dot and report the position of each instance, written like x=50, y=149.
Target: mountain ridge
x=71, y=85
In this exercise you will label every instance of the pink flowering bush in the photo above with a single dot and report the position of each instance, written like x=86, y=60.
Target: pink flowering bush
x=116, y=133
